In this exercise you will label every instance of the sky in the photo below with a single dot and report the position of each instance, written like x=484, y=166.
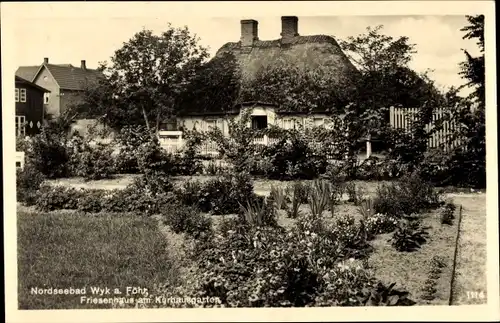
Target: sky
x=68, y=33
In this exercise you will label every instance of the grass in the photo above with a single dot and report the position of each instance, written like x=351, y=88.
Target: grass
x=470, y=279
x=68, y=249
x=410, y=270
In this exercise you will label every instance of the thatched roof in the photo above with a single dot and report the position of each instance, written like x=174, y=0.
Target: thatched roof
x=302, y=51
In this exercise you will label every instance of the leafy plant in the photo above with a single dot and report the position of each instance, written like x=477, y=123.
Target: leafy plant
x=354, y=193
x=320, y=196
x=279, y=196
x=259, y=213
x=381, y=295
x=448, y=213
x=409, y=236
x=300, y=193
x=187, y=219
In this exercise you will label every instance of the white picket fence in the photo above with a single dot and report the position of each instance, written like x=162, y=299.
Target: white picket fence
x=401, y=118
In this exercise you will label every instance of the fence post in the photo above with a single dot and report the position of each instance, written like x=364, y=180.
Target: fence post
x=368, y=146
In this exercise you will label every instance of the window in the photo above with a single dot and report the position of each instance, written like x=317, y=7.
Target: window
x=210, y=124
x=23, y=95
x=20, y=126
x=18, y=164
x=46, y=98
x=17, y=95
x=287, y=123
x=319, y=122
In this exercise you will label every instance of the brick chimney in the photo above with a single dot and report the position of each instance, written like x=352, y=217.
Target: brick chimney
x=46, y=60
x=289, y=27
x=83, y=66
x=249, y=32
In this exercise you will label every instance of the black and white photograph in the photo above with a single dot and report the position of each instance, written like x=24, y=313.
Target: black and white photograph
x=172, y=160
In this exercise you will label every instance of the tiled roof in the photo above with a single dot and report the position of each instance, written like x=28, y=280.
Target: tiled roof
x=27, y=72
x=24, y=81
x=72, y=78
x=66, y=75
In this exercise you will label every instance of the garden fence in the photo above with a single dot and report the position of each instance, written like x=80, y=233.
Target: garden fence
x=402, y=118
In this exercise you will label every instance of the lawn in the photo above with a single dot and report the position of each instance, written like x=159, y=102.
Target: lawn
x=470, y=281
x=72, y=250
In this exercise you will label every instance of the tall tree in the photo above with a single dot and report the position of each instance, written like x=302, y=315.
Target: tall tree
x=373, y=51
x=215, y=88
x=145, y=78
x=473, y=69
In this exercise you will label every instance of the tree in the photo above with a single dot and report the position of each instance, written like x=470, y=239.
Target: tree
x=473, y=69
x=297, y=89
x=372, y=52
x=145, y=78
x=215, y=88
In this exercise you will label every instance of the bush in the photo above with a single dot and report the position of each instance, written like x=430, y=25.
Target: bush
x=28, y=182
x=221, y=195
x=292, y=158
x=409, y=236
x=94, y=163
x=92, y=201
x=52, y=198
x=48, y=154
x=380, y=224
x=407, y=196
x=300, y=195
x=185, y=219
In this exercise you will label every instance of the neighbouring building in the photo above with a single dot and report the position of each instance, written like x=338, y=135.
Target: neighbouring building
x=64, y=81
x=252, y=54
x=30, y=107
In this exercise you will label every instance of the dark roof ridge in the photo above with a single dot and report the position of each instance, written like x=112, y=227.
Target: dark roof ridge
x=306, y=39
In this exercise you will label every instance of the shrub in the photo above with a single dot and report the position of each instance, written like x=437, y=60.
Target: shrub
x=28, y=182
x=185, y=219
x=190, y=193
x=94, y=163
x=291, y=157
x=52, y=198
x=129, y=139
x=409, y=195
x=409, y=236
x=48, y=154
x=189, y=162
x=448, y=214
x=92, y=201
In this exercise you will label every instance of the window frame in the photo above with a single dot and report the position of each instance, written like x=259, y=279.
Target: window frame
x=46, y=97
x=20, y=125
x=22, y=95
x=17, y=96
